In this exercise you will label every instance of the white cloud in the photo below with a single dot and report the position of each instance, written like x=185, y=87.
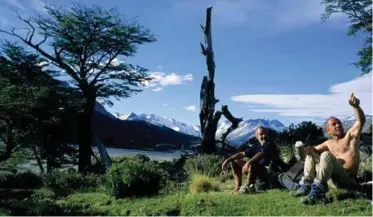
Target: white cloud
x=161, y=79
x=265, y=15
x=157, y=89
x=165, y=105
x=315, y=105
x=191, y=108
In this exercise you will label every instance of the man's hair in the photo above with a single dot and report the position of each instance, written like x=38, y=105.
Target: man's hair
x=261, y=127
x=326, y=123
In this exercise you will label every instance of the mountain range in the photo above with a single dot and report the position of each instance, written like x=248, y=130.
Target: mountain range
x=244, y=131
x=163, y=121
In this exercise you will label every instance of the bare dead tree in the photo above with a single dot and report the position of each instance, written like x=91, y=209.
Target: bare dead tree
x=208, y=117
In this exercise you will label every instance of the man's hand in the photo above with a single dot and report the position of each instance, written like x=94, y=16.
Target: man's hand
x=309, y=150
x=354, y=102
x=245, y=167
x=225, y=164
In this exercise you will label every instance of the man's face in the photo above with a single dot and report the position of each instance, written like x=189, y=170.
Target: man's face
x=261, y=135
x=335, y=127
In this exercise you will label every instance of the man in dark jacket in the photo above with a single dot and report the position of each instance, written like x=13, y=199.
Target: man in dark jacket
x=259, y=157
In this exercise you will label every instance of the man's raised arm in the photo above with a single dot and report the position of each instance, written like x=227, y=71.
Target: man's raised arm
x=360, y=116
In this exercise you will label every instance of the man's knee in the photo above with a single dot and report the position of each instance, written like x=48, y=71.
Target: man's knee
x=325, y=156
x=310, y=157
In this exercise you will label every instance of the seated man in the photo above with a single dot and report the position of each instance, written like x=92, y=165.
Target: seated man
x=260, y=156
x=337, y=158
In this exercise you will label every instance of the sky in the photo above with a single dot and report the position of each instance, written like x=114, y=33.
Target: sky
x=274, y=59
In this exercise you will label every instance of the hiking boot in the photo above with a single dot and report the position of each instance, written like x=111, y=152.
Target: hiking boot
x=316, y=195
x=303, y=190
x=246, y=189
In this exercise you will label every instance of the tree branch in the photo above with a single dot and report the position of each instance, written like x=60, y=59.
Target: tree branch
x=105, y=67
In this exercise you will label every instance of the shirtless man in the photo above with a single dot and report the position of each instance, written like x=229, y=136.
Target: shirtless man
x=337, y=158
x=260, y=156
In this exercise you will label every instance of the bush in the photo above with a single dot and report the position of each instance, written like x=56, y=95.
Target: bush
x=26, y=180
x=120, y=159
x=175, y=169
x=64, y=182
x=141, y=157
x=209, y=165
x=134, y=177
x=202, y=183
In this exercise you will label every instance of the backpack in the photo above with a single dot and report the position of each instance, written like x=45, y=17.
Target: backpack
x=291, y=178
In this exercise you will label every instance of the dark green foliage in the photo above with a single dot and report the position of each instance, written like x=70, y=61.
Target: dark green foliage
x=306, y=131
x=32, y=103
x=209, y=165
x=23, y=180
x=359, y=13
x=175, y=169
x=135, y=178
x=64, y=182
x=142, y=157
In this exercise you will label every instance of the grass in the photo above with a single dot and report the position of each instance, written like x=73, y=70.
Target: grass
x=271, y=203
x=222, y=203
x=202, y=183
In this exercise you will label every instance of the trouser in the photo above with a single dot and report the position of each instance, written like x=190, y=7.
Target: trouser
x=325, y=167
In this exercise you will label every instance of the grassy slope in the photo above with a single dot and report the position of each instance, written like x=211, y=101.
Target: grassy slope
x=271, y=203
x=274, y=202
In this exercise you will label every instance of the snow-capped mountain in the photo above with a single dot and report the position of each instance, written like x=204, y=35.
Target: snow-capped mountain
x=349, y=121
x=163, y=121
x=246, y=129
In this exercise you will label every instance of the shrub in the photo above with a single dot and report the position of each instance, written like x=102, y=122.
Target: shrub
x=175, y=169
x=202, y=183
x=209, y=165
x=134, y=177
x=26, y=180
x=64, y=182
x=141, y=157
x=120, y=159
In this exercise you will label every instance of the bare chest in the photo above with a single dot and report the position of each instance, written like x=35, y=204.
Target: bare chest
x=340, y=147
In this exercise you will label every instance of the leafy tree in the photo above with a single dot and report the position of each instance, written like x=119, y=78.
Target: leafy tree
x=359, y=13
x=86, y=44
x=306, y=131
x=30, y=100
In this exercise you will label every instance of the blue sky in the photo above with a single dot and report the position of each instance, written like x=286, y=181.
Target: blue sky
x=274, y=59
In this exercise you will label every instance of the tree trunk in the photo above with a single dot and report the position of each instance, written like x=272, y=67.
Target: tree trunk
x=9, y=143
x=85, y=132
x=208, y=140
x=38, y=160
x=208, y=119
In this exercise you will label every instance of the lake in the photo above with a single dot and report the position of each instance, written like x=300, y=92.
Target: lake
x=153, y=155
x=115, y=152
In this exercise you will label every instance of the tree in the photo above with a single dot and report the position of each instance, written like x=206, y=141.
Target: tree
x=306, y=131
x=30, y=100
x=359, y=13
x=86, y=44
